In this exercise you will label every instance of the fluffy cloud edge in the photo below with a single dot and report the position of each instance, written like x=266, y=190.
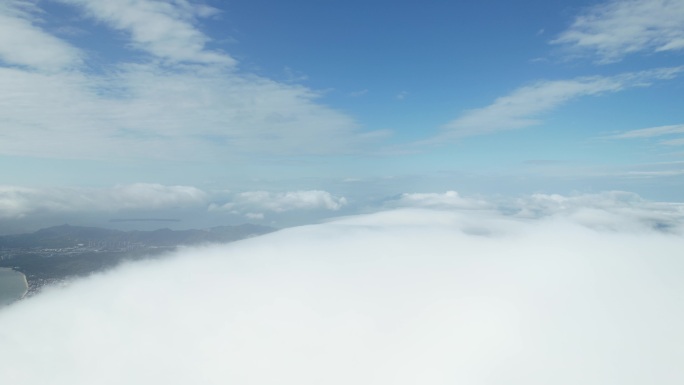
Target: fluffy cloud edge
x=280, y=202
x=17, y=201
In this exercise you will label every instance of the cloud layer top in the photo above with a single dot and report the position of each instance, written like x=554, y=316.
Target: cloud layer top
x=411, y=295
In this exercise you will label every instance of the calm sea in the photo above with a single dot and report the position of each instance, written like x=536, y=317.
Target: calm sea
x=12, y=286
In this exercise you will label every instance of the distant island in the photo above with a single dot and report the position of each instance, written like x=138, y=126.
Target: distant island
x=54, y=254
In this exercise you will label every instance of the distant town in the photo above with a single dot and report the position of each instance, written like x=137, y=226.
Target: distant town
x=57, y=254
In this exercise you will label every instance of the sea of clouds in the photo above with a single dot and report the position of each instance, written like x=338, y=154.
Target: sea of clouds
x=437, y=289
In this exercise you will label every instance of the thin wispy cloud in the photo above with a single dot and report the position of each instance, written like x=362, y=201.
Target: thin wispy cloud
x=674, y=132
x=359, y=93
x=615, y=29
x=526, y=106
x=24, y=43
x=673, y=142
x=666, y=172
x=183, y=101
x=651, y=132
x=164, y=29
x=656, y=132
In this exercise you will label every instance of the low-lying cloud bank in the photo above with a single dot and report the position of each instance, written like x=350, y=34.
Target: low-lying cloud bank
x=445, y=295
x=282, y=201
x=17, y=201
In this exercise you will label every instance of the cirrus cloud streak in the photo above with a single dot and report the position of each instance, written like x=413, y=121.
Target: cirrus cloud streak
x=525, y=106
x=181, y=100
x=615, y=29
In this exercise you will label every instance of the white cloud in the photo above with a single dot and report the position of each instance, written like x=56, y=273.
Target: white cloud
x=282, y=201
x=403, y=297
x=619, y=210
x=673, y=142
x=184, y=107
x=256, y=216
x=24, y=43
x=292, y=200
x=615, y=210
x=524, y=106
x=659, y=131
x=164, y=29
x=651, y=132
x=615, y=29
x=17, y=202
x=144, y=112
x=450, y=199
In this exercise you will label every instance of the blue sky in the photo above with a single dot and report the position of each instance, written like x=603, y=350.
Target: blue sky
x=339, y=104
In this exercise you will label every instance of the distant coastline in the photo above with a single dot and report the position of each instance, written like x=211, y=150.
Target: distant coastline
x=51, y=255
x=26, y=284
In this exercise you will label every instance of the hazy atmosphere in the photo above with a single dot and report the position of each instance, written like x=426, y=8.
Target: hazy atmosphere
x=454, y=192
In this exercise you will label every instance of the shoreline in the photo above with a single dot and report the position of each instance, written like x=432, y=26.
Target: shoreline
x=26, y=285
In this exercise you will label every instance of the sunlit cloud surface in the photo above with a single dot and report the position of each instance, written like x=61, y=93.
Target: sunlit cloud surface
x=410, y=295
